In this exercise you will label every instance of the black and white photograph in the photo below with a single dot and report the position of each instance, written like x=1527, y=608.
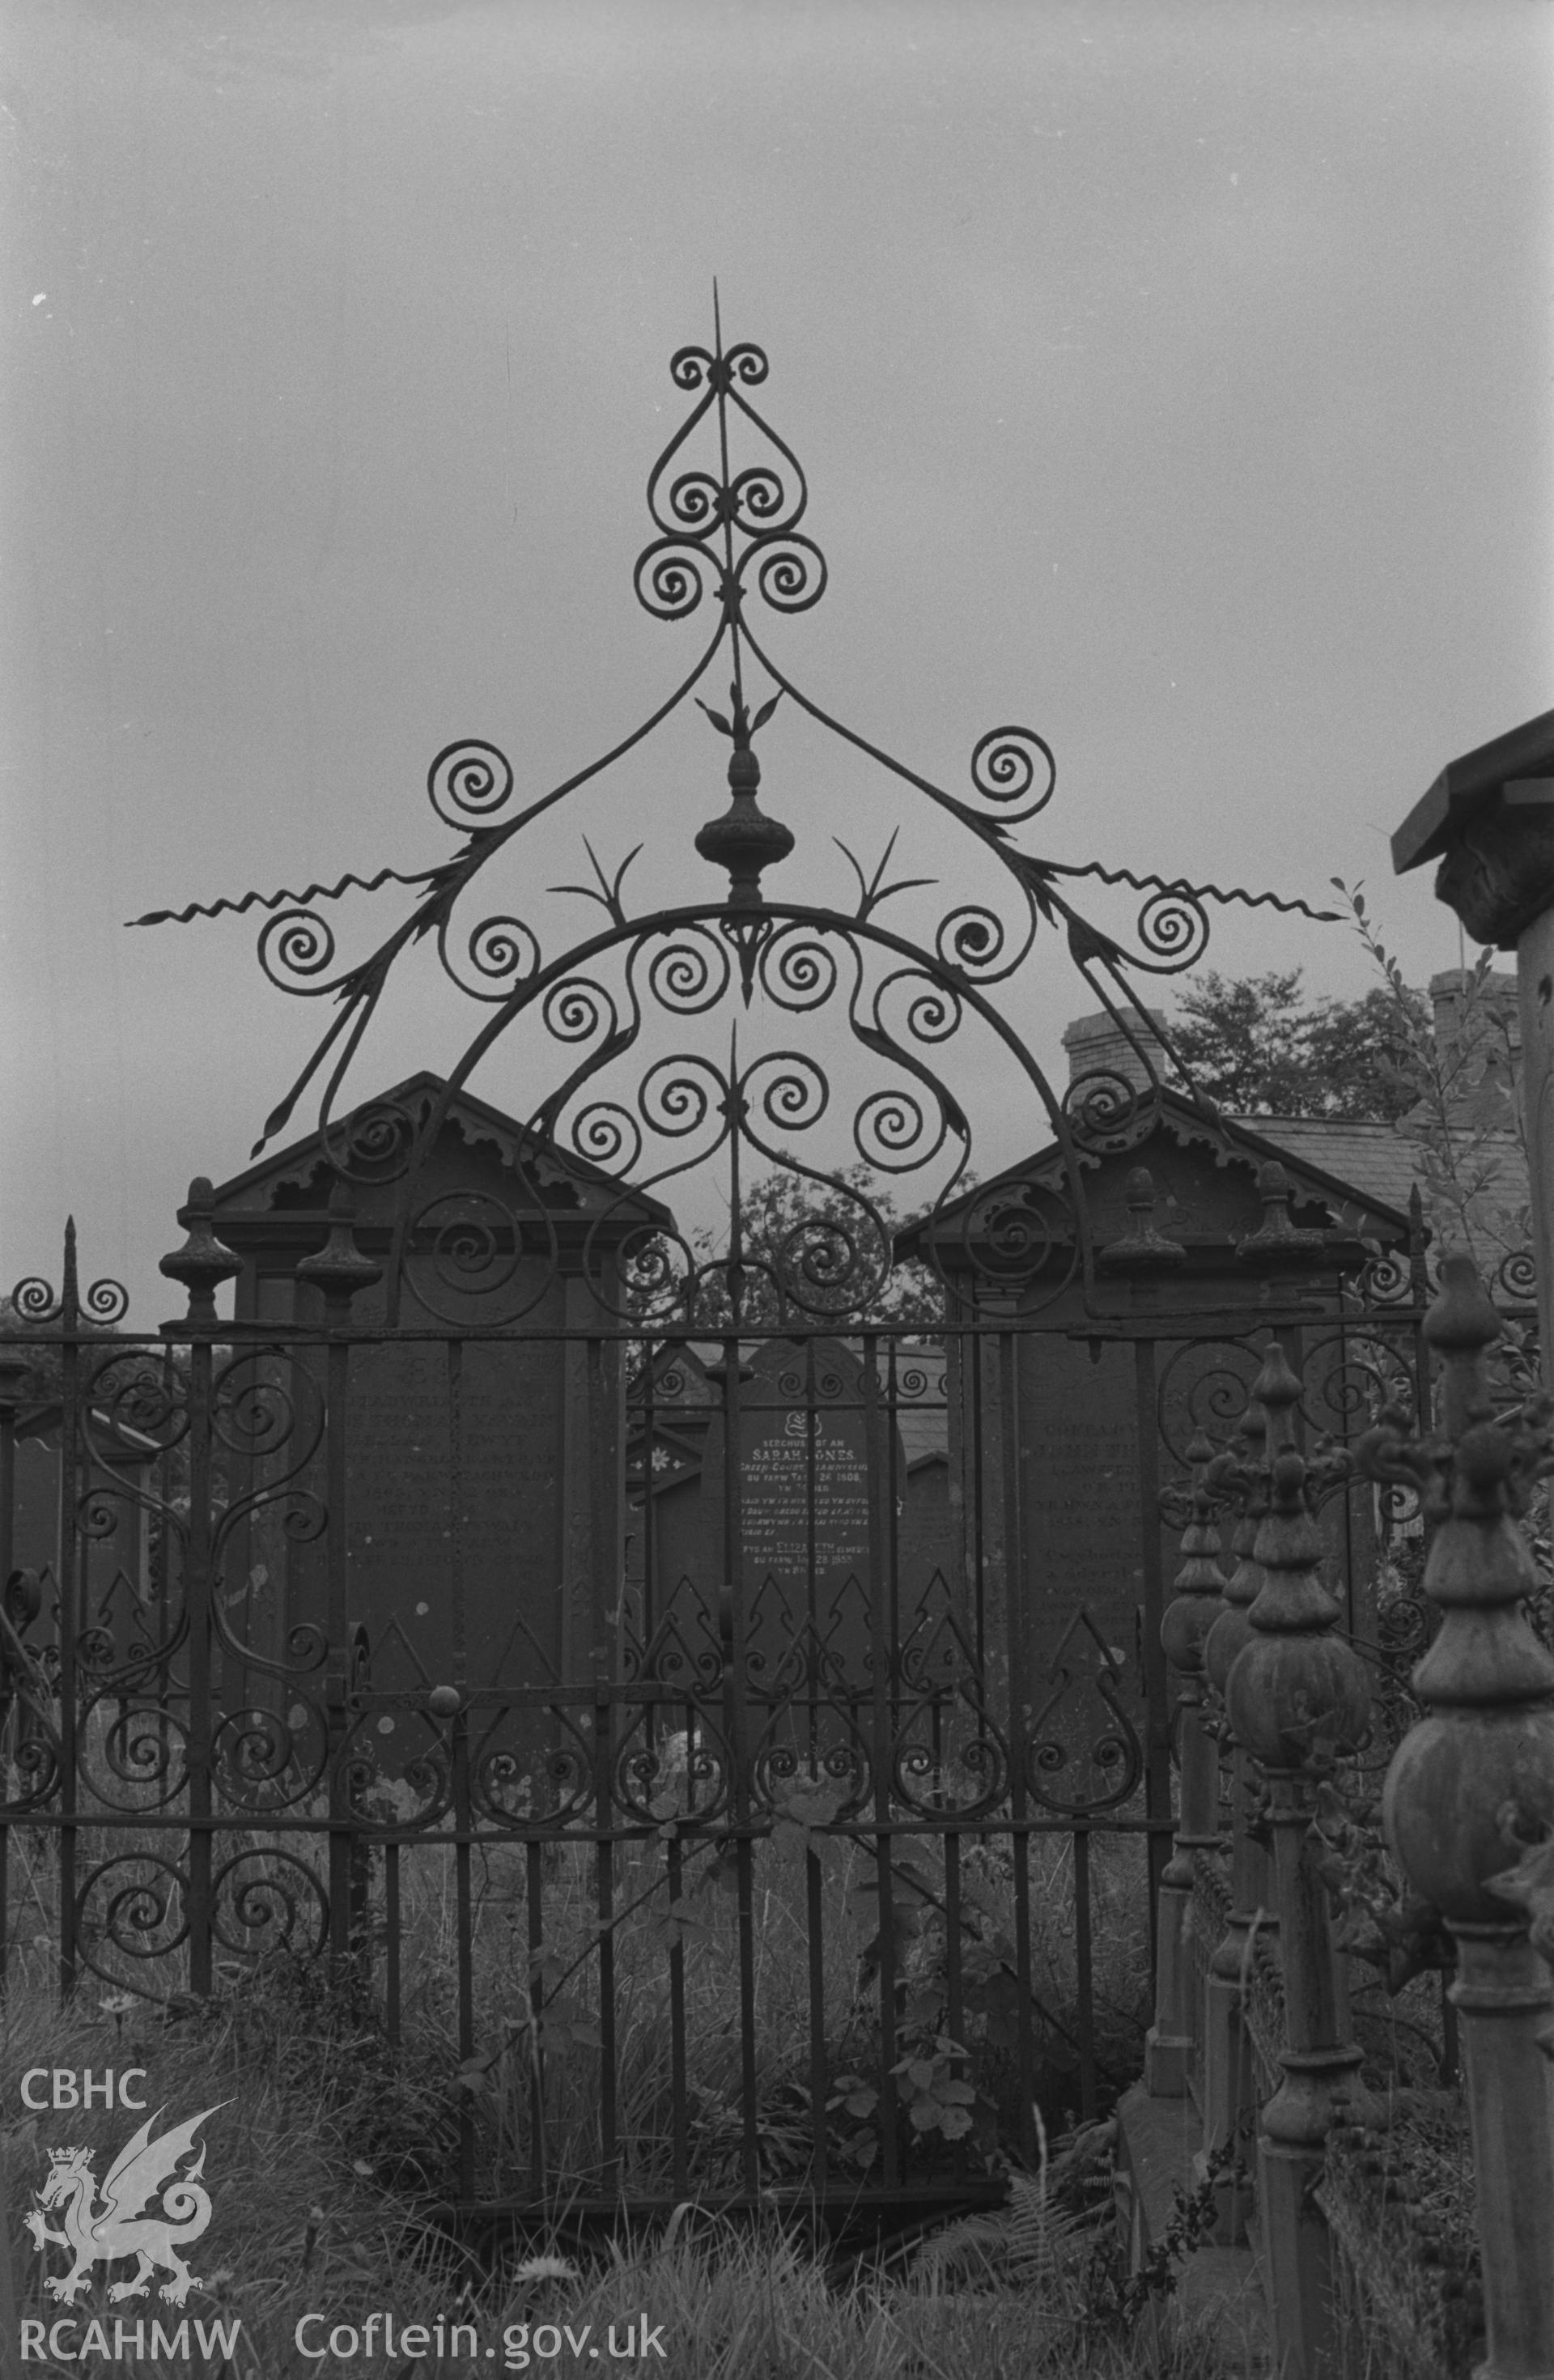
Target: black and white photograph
x=777, y=1188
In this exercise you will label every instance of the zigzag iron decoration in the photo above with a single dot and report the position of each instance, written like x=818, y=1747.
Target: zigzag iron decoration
x=731, y=539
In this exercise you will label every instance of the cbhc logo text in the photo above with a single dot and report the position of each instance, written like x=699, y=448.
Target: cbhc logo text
x=63, y=2086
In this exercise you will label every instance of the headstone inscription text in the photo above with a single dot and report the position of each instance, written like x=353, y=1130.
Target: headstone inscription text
x=1081, y=1497
x=455, y=1501
x=805, y=1494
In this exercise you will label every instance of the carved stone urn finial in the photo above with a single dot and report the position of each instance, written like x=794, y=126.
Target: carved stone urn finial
x=339, y=1269
x=1141, y=1248
x=203, y=1263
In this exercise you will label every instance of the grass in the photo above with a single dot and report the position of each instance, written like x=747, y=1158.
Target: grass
x=301, y=2224
x=521, y=2000
x=329, y=2142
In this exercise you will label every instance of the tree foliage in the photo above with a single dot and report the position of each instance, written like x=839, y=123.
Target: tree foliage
x=1465, y=1115
x=1261, y=1046
x=810, y=1250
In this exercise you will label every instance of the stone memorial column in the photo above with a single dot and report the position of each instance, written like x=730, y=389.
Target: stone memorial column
x=1472, y=1783
x=1489, y=820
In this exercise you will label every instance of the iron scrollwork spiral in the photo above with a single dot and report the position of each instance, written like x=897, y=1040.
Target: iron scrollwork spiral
x=1014, y=769
x=469, y=784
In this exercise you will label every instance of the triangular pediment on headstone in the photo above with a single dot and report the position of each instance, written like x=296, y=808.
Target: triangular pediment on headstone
x=1348, y=1183
x=475, y=1137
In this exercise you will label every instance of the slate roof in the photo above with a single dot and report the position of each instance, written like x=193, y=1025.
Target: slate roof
x=1320, y=1168
x=1374, y=1158
x=1379, y=1159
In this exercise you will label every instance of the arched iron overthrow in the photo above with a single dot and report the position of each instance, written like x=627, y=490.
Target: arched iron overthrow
x=729, y=507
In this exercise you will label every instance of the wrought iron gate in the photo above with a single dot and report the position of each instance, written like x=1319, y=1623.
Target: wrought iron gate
x=747, y=1838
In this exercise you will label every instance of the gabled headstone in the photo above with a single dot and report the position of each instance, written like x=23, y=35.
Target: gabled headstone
x=483, y=1490
x=1176, y=1201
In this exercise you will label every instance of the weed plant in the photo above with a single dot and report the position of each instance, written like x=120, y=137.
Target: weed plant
x=301, y=2224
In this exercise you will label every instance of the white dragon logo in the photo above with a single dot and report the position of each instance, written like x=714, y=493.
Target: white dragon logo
x=120, y=2225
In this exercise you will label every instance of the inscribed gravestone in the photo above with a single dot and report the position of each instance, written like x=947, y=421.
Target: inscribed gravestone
x=1083, y=1529
x=803, y=1506
x=480, y=1526
x=455, y=1495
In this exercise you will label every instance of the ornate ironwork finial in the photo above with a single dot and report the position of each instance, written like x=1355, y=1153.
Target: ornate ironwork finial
x=339, y=1269
x=743, y=839
x=203, y=1263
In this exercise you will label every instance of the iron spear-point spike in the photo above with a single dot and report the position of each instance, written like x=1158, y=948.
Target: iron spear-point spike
x=70, y=1287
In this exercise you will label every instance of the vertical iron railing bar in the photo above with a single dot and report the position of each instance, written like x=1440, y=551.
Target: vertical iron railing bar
x=880, y=1667
x=970, y=1359
x=392, y=1943
x=464, y=1962
x=649, y=1512
x=69, y=1488
x=609, y=2029
x=534, y=2000
x=1084, y=1968
x=893, y=1548
x=814, y=1947
x=605, y=1752
x=199, y=1600
x=811, y=1562
x=734, y=1636
x=954, y=2003
x=679, y=2086
x=1157, y=1698
x=1005, y=1351
x=342, y=1834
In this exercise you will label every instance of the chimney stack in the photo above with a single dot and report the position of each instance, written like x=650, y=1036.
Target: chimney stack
x=1095, y=1046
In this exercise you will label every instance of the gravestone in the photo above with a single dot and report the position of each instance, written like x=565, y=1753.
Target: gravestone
x=483, y=1490
x=1082, y=1524
x=455, y=1497
x=807, y=1558
x=1169, y=1270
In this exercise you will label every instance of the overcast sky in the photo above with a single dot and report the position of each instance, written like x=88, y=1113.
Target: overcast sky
x=1172, y=375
